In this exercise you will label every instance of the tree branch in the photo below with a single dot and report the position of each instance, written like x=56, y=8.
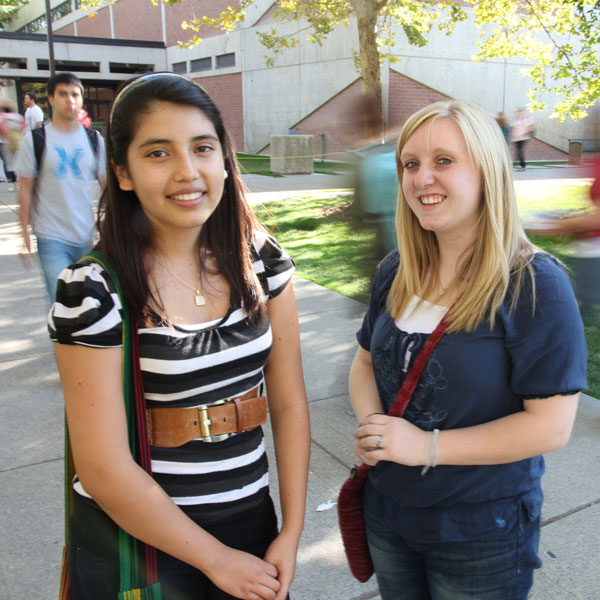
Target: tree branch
x=557, y=46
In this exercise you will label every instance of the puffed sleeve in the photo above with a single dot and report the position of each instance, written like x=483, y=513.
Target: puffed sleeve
x=377, y=299
x=547, y=345
x=87, y=310
x=272, y=264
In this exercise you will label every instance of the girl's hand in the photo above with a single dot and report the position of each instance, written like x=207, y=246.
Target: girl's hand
x=282, y=554
x=379, y=437
x=244, y=576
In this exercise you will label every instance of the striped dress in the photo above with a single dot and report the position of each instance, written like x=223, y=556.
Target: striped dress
x=186, y=366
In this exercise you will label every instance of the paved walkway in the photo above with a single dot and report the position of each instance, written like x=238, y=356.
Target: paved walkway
x=31, y=427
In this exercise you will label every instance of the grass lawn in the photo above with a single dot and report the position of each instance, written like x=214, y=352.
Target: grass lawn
x=331, y=249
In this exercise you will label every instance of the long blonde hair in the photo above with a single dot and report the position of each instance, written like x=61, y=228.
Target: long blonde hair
x=501, y=252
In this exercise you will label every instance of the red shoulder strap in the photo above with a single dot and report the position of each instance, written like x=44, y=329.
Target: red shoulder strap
x=410, y=383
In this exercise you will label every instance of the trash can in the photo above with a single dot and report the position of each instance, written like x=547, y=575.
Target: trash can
x=575, y=150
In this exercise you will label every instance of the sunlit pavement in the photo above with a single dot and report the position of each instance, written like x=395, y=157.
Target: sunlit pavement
x=31, y=426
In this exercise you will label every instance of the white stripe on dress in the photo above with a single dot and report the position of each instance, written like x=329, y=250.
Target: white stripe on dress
x=276, y=281
x=109, y=321
x=199, y=468
x=230, y=496
x=178, y=367
x=190, y=392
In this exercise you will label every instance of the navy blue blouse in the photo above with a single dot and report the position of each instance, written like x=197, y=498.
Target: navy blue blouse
x=472, y=378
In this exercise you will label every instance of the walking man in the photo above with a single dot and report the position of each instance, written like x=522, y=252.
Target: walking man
x=34, y=116
x=57, y=165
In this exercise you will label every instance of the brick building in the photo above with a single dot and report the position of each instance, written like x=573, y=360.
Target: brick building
x=314, y=89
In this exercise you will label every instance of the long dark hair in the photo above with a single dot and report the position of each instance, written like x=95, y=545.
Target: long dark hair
x=125, y=230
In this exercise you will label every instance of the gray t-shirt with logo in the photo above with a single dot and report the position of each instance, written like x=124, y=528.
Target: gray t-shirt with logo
x=62, y=204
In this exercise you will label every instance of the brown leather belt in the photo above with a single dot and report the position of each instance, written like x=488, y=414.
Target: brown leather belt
x=172, y=427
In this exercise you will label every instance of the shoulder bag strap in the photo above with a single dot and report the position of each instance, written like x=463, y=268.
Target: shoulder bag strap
x=135, y=408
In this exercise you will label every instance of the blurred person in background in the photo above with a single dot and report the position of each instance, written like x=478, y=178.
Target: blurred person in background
x=12, y=126
x=34, y=116
x=582, y=255
x=504, y=126
x=521, y=131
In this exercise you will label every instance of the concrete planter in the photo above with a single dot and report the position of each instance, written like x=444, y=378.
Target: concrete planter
x=292, y=154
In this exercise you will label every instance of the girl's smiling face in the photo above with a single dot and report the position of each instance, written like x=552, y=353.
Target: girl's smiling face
x=175, y=166
x=440, y=180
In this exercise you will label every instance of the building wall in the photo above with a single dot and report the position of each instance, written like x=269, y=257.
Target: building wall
x=338, y=121
x=187, y=11
x=66, y=30
x=406, y=96
x=99, y=26
x=129, y=26
x=312, y=85
x=226, y=91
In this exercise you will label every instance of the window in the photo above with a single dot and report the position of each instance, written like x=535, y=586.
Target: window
x=226, y=60
x=201, y=64
x=82, y=66
x=62, y=10
x=180, y=67
x=39, y=23
x=130, y=68
x=13, y=63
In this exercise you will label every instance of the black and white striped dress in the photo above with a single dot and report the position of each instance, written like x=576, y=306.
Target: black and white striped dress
x=186, y=367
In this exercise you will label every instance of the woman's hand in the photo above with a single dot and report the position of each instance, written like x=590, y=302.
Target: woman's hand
x=244, y=575
x=282, y=554
x=379, y=437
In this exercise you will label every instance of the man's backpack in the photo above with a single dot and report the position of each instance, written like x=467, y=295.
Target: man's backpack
x=39, y=143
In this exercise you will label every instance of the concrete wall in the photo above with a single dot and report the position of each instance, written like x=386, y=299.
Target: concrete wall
x=34, y=50
x=297, y=90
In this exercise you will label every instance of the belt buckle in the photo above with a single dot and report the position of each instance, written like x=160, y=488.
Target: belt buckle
x=205, y=424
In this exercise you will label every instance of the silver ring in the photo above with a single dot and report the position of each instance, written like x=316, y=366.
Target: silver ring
x=379, y=441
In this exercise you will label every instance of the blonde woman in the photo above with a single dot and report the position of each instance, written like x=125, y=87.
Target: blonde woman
x=500, y=389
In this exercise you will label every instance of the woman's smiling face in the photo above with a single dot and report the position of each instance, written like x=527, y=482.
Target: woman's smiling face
x=440, y=180
x=175, y=166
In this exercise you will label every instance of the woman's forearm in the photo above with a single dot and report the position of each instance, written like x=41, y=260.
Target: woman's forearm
x=363, y=390
x=545, y=425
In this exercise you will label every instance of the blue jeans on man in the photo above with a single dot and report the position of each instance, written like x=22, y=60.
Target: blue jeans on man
x=54, y=256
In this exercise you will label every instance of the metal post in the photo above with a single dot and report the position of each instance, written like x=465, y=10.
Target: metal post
x=50, y=38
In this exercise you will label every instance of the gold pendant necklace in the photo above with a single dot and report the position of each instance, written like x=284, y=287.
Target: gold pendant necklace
x=199, y=299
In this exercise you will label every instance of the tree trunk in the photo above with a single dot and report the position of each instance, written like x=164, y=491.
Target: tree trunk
x=366, y=15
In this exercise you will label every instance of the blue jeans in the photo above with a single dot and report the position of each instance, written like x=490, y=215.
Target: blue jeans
x=55, y=256
x=492, y=568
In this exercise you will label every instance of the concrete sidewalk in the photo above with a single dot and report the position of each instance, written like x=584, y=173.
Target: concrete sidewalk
x=31, y=490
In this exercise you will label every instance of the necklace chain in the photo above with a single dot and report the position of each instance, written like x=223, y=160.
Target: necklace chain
x=199, y=299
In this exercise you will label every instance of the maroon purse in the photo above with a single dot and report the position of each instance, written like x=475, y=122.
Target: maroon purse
x=350, y=499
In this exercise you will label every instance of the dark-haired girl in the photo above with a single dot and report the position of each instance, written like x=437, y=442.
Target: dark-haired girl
x=217, y=320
